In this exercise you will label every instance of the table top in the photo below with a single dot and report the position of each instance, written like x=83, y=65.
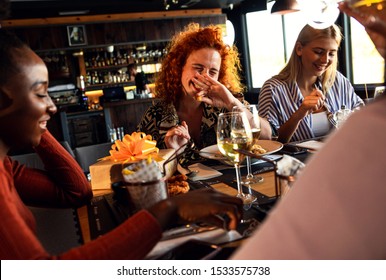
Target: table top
x=92, y=224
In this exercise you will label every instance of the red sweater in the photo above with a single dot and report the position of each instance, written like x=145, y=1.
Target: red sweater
x=62, y=185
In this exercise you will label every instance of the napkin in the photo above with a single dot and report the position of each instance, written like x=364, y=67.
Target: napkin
x=146, y=186
x=288, y=167
x=204, y=172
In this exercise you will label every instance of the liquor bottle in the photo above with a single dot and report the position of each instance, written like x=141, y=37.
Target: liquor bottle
x=83, y=102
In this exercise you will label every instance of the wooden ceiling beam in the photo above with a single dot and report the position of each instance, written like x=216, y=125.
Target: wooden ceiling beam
x=109, y=17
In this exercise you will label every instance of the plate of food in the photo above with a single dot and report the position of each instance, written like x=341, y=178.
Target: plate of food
x=263, y=147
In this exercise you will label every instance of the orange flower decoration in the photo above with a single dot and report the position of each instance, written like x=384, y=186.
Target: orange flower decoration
x=133, y=148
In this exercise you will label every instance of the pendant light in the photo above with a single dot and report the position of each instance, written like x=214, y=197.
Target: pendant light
x=282, y=7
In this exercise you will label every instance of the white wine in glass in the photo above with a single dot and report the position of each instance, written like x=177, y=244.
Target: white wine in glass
x=254, y=122
x=234, y=132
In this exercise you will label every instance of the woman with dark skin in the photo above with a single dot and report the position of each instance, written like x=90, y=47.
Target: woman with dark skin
x=25, y=109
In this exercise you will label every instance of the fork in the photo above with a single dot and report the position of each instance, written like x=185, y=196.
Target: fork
x=331, y=119
x=330, y=116
x=191, y=173
x=177, y=156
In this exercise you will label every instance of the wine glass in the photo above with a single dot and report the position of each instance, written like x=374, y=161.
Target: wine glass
x=234, y=132
x=369, y=7
x=254, y=122
x=321, y=14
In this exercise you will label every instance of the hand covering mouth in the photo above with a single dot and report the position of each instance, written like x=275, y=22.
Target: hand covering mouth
x=196, y=87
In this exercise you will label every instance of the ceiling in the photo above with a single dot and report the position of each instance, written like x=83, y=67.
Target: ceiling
x=26, y=9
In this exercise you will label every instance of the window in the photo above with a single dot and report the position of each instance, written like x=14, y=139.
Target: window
x=266, y=49
x=367, y=64
x=270, y=47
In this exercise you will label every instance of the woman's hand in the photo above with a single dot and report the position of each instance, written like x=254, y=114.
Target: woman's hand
x=375, y=26
x=177, y=136
x=312, y=102
x=215, y=93
x=203, y=205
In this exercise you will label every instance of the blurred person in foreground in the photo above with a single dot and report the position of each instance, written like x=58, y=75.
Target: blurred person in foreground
x=298, y=100
x=25, y=109
x=199, y=79
x=336, y=209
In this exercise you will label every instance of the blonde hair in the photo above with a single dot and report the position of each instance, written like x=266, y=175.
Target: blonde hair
x=308, y=34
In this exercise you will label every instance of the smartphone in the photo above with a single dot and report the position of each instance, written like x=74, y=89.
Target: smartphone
x=292, y=150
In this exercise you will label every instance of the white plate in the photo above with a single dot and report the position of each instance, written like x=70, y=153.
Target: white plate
x=212, y=152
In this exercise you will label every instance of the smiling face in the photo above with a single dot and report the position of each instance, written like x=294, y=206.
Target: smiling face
x=317, y=55
x=29, y=107
x=201, y=61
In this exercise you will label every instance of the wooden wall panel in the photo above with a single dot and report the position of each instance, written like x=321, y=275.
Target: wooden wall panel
x=54, y=37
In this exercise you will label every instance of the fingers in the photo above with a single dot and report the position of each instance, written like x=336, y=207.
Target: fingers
x=205, y=82
x=318, y=93
x=206, y=205
x=344, y=7
x=368, y=20
x=314, y=101
x=177, y=136
x=202, y=82
x=201, y=95
x=217, y=221
x=185, y=125
x=179, y=130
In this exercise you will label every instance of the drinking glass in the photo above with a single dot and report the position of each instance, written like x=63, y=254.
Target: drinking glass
x=372, y=7
x=254, y=122
x=234, y=132
x=321, y=14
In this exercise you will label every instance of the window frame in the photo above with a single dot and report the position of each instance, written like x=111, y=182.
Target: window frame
x=345, y=56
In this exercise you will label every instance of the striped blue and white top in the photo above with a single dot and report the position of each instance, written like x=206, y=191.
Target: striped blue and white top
x=278, y=100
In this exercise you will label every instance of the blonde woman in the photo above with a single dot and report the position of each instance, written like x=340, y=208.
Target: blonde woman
x=297, y=100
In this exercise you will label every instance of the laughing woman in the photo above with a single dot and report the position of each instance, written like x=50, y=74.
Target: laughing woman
x=297, y=100
x=199, y=79
x=25, y=109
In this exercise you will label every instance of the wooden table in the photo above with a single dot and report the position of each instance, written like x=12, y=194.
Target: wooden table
x=83, y=217
x=267, y=187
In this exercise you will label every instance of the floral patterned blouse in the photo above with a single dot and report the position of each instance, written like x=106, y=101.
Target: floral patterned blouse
x=162, y=116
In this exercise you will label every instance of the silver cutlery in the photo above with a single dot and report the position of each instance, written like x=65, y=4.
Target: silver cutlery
x=191, y=173
x=185, y=231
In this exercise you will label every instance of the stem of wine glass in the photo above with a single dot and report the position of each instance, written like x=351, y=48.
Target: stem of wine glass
x=238, y=179
x=249, y=168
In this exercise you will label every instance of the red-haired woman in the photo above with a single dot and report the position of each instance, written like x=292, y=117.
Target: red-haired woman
x=199, y=79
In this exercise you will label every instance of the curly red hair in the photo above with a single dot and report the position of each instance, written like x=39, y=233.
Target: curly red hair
x=193, y=37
